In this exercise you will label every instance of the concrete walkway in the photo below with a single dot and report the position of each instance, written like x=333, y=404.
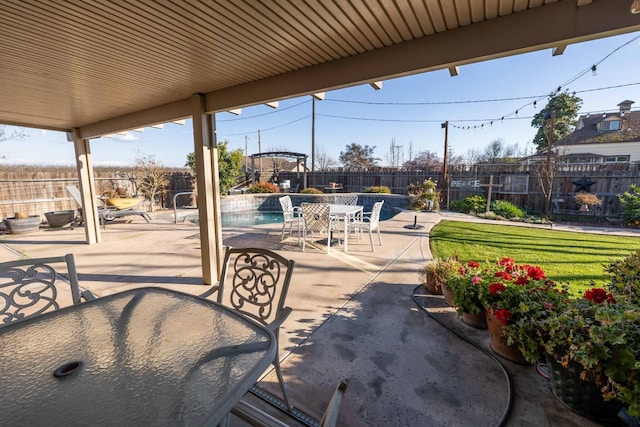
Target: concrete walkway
x=353, y=316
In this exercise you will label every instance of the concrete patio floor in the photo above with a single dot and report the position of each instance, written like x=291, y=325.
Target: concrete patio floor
x=353, y=316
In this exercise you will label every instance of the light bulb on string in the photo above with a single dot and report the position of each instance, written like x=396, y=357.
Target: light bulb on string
x=594, y=70
x=535, y=104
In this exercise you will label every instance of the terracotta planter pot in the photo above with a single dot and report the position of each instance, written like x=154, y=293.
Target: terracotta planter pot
x=475, y=320
x=582, y=397
x=448, y=295
x=432, y=285
x=499, y=342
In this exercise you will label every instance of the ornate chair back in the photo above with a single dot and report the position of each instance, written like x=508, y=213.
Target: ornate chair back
x=30, y=287
x=255, y=282
x=346, y=199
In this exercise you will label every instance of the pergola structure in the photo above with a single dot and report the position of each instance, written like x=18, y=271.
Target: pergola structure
x=92, y=68
x=301, y=158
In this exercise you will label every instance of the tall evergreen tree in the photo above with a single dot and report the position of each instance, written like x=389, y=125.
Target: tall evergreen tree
x=566, y=109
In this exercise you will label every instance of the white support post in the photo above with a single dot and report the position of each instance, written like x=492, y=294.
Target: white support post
x=87, y=188
x=208, y=192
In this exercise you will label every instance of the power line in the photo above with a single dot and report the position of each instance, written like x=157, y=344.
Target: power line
x=268, y=129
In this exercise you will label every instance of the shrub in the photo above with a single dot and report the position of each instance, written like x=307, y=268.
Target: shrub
x=263, y=187
x=378, y=189
x=506, y=209
x=470, y=204
x=311, y=190
x=630, y=201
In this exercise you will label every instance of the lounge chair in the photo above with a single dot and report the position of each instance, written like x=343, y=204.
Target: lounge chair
x=105, y=214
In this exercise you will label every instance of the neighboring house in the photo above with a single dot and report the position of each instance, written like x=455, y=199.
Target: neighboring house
x=603, y=138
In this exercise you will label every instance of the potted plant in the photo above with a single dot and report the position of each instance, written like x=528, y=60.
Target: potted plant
x=424, y=196
x=592, y=344
x=518, y=296
x=435, y=273
x=466, y=285
x=584, y=200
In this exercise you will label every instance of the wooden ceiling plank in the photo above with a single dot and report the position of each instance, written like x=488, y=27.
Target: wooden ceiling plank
x=450, y=13
x=323, y=27
x=463, y=12
x=350, y=30
x=435, y=12
x=402, y=15
x=253, y=38
x=367, y=18
x=407, y=9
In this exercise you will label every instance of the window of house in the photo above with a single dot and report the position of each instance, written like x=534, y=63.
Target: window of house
x=616, y=159
x=609, y=125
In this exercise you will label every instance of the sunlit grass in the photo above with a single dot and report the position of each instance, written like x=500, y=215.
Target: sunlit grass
x=566, y=257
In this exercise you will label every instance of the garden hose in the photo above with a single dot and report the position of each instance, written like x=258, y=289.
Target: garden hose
x=509, y=405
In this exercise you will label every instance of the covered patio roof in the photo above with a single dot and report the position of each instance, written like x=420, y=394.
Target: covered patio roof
x=93, y=68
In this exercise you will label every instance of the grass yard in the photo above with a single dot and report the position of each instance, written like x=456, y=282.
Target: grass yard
x=566, y=257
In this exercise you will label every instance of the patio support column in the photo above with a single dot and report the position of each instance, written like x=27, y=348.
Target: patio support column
x=208, y=186
x=87, y=188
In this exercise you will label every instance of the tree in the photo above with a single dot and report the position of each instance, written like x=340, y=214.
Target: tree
x=324, y=161
x=229, y=166
x=151, y=177
x=355, y=156
x=498, y=152
x=424, y=159
x=394, y=155
x=6, y=135
x=566, y=109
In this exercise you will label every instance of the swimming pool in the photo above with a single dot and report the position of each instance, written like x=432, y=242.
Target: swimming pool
x=250, y=218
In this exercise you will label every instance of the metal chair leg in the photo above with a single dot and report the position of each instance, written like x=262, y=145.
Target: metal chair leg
x=276, y=363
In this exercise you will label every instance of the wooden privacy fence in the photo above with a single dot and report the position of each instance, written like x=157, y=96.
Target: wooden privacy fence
x=38, y=192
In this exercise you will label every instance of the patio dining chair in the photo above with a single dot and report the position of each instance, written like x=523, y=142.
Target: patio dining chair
x=30, y=287
x=291, y=216
x=316, y=218
x=346, y=199
x=369, y=223
x=255, y=282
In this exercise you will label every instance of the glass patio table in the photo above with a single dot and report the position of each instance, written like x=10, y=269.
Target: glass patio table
x=146, y=356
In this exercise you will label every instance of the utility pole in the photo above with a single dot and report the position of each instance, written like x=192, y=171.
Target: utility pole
x=313, y=134
x=445, y=178
x=260, y=152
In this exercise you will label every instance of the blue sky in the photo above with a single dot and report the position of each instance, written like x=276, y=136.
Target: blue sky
x=376, y=117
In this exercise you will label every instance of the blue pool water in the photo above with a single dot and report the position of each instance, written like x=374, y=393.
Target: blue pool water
x=249, y=218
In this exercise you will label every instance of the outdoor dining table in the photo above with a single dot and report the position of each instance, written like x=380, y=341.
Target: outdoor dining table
x=147, y=356
x=345, y=213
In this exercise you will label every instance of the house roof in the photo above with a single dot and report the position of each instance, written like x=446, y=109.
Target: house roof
x=103, y=67
x=589, y=133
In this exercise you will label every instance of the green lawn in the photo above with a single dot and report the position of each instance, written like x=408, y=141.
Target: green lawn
x=566, y=257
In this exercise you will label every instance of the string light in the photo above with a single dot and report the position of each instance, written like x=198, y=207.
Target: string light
x=594, y=70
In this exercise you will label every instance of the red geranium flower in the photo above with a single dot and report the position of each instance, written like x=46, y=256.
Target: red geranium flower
x=473, y=264
x=599, y=295
x=496, y=288
x=522, y=280
x=535, y=272
x=503, y=315
x=506, y=276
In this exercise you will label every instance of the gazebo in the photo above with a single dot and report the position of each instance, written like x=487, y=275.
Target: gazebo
x=95, y=68
x=300, y=159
